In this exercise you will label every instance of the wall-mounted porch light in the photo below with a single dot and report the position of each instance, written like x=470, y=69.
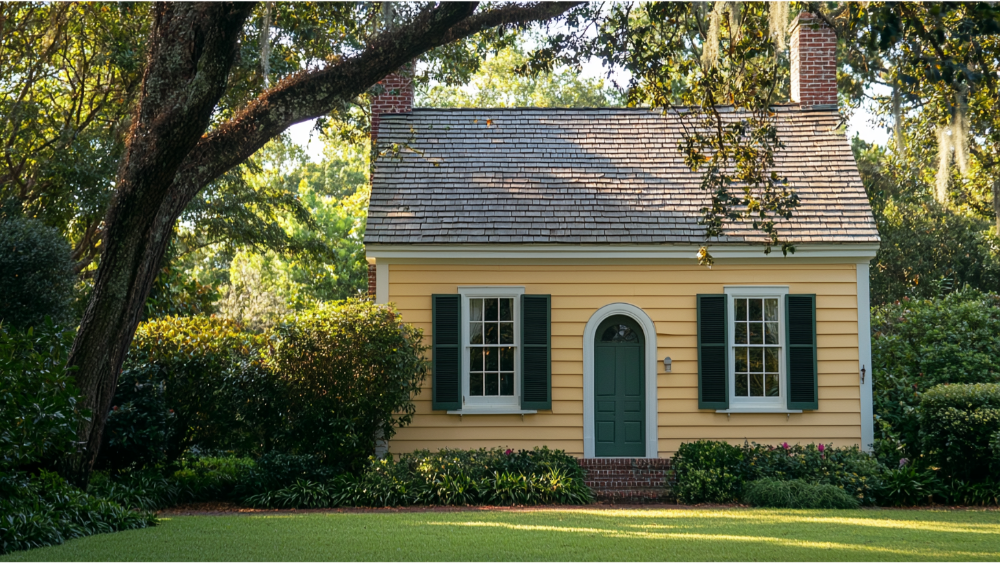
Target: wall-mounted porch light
x=666, y=364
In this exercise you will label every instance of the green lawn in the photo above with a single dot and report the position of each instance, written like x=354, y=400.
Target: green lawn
x=564, y=534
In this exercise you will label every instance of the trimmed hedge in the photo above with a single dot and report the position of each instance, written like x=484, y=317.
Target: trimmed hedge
x=796, y=493
x=711, y=471
x=958, y=429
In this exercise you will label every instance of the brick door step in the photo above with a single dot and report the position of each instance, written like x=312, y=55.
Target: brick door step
x=626, y=480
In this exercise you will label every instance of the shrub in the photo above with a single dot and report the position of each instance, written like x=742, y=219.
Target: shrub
x=708, y=471
x=351, y=370
x=957, y=424
x=36, y=274
x=40, y=412
x=449, y=477
x=796, y=494
x=919, y=344
x=850, y=469
x=192, y=381
x=46, y=510
x=909, y=486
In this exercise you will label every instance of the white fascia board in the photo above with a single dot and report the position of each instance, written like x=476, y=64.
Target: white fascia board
x=855, y=252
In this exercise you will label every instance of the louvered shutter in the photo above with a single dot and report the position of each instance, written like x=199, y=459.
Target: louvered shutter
x=800, y=315
x=713, y=351
x=536, y=352
x=446, y=360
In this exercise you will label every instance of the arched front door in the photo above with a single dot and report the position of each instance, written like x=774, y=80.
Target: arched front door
x=619, y=389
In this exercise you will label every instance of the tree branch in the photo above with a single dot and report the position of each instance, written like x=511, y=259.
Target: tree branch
x=311, y=94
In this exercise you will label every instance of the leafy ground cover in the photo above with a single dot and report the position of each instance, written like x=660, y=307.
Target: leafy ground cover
x=552, y=534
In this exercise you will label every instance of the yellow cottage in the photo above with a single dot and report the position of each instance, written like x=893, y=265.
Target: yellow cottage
x=550, y=257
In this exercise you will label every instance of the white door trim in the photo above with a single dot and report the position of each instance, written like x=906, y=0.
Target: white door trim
x=589, y=333
x=865, y=359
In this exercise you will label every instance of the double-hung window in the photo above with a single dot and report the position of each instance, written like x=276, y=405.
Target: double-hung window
x=756, y=353
x=491, y=347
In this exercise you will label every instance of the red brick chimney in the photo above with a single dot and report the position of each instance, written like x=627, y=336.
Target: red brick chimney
x=395, y=95
x=814, y=61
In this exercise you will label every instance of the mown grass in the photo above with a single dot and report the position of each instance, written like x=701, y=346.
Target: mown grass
x=552, y=534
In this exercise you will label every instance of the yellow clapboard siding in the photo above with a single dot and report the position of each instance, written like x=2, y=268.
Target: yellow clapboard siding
x=711, y=418
x=666, y=293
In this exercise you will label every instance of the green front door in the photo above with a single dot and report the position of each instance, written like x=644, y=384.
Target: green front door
x=619, y=389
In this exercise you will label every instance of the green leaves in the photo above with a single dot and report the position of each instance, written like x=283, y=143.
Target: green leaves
x=39, y=408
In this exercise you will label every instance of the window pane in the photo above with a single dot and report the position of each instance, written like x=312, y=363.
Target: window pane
x=741, y=385
x=741, y=361
x=741, y=309
x=772, y=357
x=475, y=309
x=492, y=385
x=741, y=333
x=507, y=359
x=756, y=385
x=506, y=309
x=755, y=307
x=507, y=384
x=756, y=333
x=475, y=359
x=756, y=362
x=506, y=333
x=770, y=333
x=491, y=333
x=771, y=385
x=491, y=356
x=476, y=384
x=491, y=309
x=771, y=310
x=475, y=333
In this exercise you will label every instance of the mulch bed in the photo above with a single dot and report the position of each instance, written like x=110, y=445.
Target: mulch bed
x=231, y=509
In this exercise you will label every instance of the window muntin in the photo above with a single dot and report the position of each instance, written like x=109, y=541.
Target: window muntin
x=491, y=347
x=756, y=347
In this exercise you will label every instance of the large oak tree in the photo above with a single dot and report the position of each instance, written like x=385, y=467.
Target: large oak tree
x=177, y=145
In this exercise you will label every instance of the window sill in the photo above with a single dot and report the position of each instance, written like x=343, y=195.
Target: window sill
x=772, y=410
x=492, y=411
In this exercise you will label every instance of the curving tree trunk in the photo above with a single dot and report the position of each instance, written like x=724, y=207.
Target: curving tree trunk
x=170, y=156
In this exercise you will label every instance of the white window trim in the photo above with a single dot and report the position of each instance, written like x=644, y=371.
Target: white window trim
x=777, y=404
x=491, y=405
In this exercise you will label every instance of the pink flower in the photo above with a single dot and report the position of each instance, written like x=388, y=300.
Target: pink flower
x=509, y=451
x=821, y=447
x=784, y=445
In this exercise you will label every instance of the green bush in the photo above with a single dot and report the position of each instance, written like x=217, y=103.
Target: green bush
x=909, y=486
x=919, y=344
x=351, y=369
x=325, y=384
x=796, y=493
x=957, y=426
x=449, y=477
x=192, y=382
x=709, y=471
x=46, y=510
x=36, y=274
x=40, y=409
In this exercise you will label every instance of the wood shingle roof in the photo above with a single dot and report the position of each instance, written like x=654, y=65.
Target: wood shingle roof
x=589, y=176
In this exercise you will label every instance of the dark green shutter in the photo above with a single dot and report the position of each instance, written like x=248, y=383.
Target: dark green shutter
x=713, y=352
x=800, y=316
x=446, y=359
x=536, y=352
